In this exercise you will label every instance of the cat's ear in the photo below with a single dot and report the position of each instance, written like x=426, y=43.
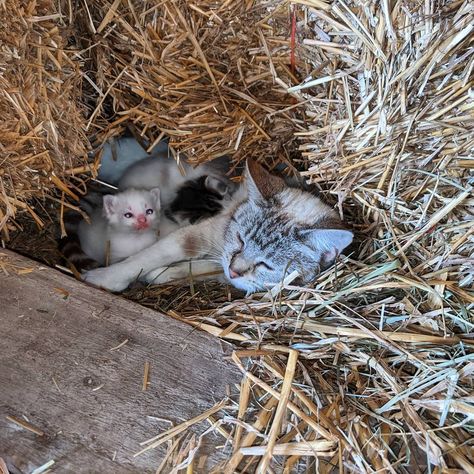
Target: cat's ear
x=329, y=243
x=110, y=202
x=261, y=183
x=216, y=186
x=155, y=192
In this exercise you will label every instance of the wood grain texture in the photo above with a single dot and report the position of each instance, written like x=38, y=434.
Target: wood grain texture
x=55, y=350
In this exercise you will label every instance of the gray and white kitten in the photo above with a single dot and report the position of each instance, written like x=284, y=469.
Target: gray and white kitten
x=126, y=164
x=265, y=232
x=126, y=223
x=163, y=172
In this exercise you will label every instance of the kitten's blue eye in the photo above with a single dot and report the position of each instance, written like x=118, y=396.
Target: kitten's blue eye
x=265, y=265
x=149, y=211
x=128, y=215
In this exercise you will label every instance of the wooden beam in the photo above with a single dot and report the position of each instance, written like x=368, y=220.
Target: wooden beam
x=72, y=367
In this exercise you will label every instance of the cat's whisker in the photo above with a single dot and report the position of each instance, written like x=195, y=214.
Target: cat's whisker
x=208, y=257
x=218, y=246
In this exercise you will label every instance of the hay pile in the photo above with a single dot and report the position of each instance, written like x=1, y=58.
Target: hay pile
x=42, y=140
x=212, y=77
x=371, y=369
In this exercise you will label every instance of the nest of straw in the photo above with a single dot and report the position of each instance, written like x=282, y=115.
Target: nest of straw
x=370, y=369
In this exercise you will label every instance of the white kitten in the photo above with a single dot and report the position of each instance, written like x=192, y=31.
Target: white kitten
x=127, y=223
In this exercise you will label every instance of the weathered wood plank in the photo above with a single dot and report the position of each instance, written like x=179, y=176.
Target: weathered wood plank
x=58, y=370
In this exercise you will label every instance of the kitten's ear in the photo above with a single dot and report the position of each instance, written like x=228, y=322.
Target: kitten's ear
x=261, y=183
x=328, y=242
x=155, y=192
x=110, y=202
x=216, y=186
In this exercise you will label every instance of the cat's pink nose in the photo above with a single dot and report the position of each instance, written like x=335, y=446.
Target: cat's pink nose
x=141, y=219
x=233, y=273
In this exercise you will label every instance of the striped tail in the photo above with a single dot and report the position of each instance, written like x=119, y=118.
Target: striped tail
x=70, y=246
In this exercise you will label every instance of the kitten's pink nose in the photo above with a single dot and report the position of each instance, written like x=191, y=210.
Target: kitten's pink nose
x=233, y=274
x=141, y=219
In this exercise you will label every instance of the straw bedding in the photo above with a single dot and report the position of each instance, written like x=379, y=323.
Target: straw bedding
x=369, y=370
x=42, y=137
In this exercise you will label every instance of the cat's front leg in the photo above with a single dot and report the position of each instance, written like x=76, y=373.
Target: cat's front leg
x=193, y=241
x=189, y=270
x=113, y=278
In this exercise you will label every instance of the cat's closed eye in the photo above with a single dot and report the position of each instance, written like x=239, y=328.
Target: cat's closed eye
x=265, y=265
x=241, y=242
x=128, y=215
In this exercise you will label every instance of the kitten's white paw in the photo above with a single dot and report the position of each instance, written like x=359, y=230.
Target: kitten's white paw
x=107, y=278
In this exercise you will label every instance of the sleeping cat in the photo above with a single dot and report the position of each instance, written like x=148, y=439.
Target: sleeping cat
x=126, y=223
x=266, y=231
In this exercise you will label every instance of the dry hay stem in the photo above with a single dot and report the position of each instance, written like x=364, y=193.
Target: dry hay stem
x=6, y=266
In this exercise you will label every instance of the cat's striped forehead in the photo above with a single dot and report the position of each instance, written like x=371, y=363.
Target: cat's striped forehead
x=268, y=233
x=282, y=216
x=265, y=226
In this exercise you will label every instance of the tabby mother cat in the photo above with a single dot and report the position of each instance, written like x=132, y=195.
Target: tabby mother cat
x=265, y=232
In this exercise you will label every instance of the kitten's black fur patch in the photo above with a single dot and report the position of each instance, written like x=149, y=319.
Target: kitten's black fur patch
x=71, y=252
x=195, y=201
